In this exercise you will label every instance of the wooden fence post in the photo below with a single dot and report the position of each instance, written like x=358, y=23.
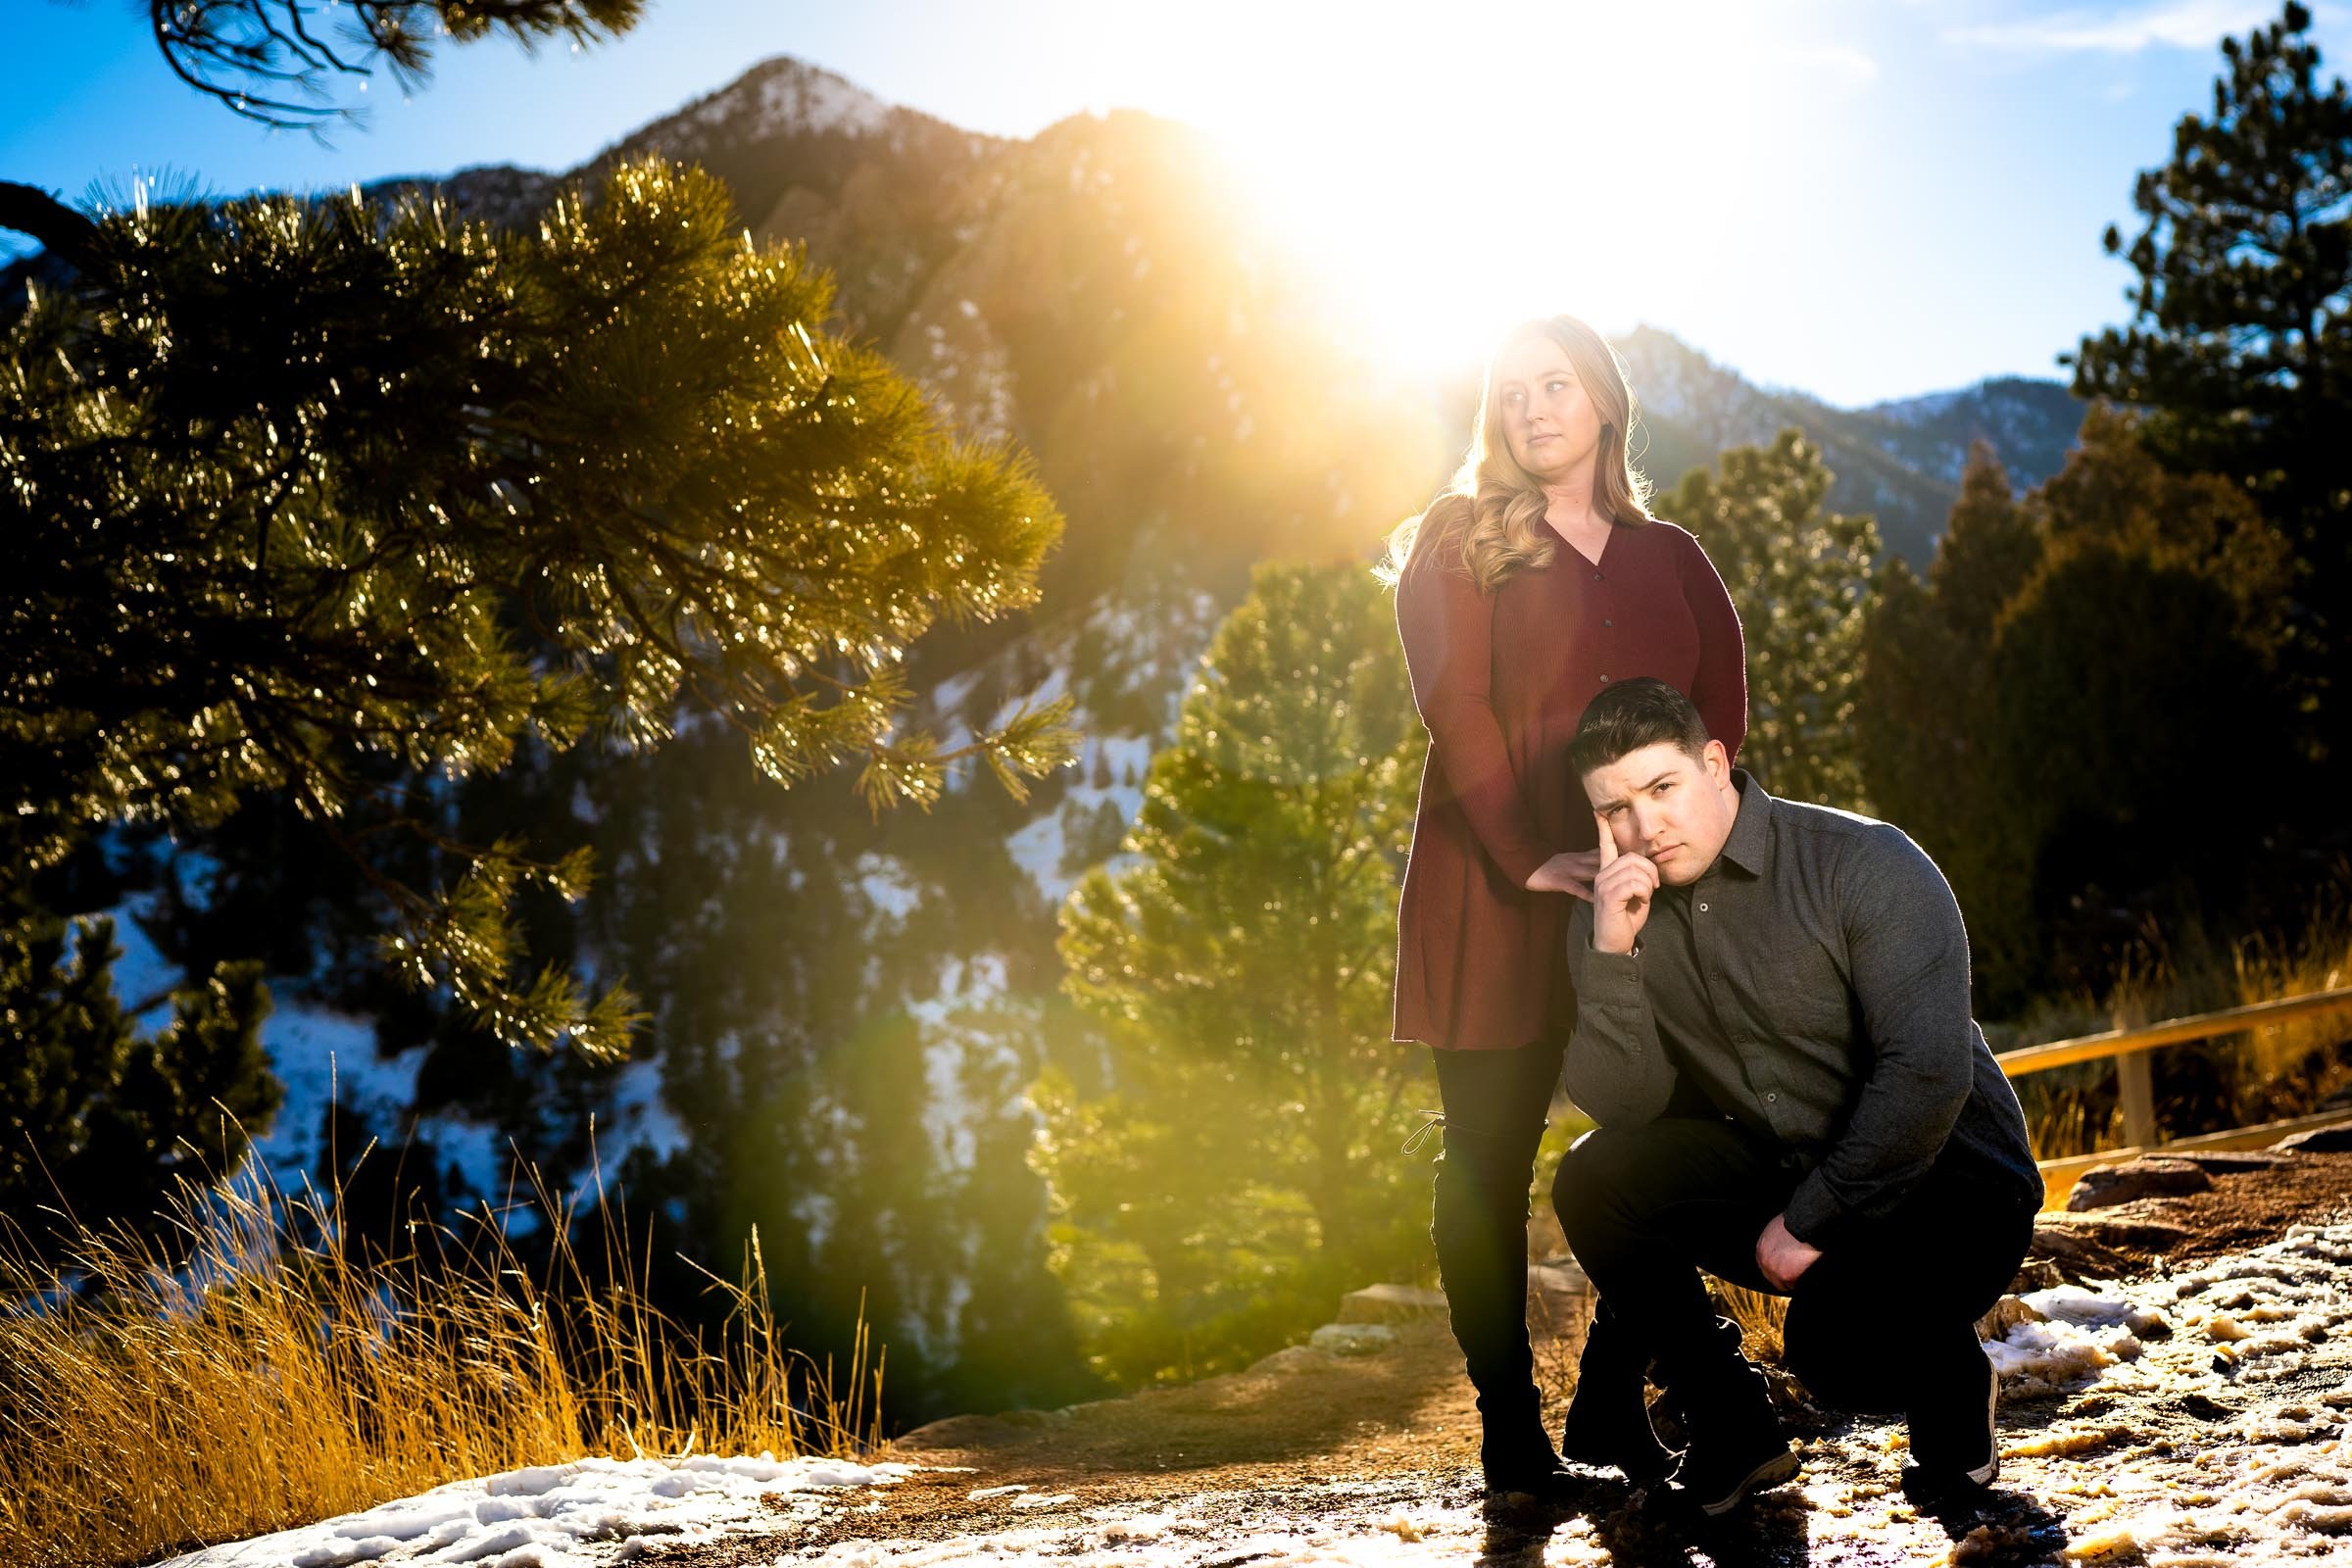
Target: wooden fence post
x=2135, y=1086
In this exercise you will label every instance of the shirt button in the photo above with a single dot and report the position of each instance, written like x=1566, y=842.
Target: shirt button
x=1605, y=621
x=1604, y=681
x=1771, y=1099
x=1702, y=908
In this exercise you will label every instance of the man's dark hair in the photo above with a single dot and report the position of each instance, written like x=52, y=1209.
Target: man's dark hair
x=1631, y=714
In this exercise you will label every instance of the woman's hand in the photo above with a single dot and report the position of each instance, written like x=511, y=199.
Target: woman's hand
x=1569, y=872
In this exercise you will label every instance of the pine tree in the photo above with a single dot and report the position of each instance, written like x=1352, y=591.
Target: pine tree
x=1238, y=1164
x=2037, y=713
x=97, y=1115
x=2240, y=347
x=275, y=61
x=1924, y=649
x=333, y=505
x=1800, y=578
x=1923, y=729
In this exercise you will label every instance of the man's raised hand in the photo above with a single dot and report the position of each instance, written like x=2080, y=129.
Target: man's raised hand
x=1620, y=894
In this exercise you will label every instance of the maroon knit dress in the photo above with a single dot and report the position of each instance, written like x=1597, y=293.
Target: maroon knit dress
x=1500, y=680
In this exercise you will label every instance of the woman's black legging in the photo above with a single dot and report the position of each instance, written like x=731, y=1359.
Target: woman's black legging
x=1495, y=1102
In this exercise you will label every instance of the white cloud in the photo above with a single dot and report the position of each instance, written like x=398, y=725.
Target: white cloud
x=2197, y=25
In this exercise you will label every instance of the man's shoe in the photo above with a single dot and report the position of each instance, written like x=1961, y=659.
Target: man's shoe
x=1735, y=1445
x=1607, y=1425
x=1608, y=1428
x=1935, y=1491
x=1720, y=1474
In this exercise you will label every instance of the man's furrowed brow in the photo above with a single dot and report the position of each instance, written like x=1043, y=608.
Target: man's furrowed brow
x=1655, y=782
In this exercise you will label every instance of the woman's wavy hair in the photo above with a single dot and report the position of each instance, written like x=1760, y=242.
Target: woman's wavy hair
x=1489, y=520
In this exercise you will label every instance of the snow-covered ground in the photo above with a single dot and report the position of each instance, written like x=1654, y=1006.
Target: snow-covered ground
x=2182, y=1422
x=2177, y=1422
x=590, y=1511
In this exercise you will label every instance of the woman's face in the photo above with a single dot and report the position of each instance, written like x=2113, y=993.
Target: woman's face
x=1548, y=422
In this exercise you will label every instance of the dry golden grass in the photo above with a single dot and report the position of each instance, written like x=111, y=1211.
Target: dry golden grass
x=2258, y=1075
x=259, y=1370
x=1759, y=1316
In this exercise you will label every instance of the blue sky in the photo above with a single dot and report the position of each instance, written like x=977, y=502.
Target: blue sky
x=1859, y=198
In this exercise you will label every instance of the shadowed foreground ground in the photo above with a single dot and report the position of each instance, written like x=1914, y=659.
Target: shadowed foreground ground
x=2193, y=1412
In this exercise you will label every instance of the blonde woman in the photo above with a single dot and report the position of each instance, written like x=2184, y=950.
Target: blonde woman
x=1532, y=581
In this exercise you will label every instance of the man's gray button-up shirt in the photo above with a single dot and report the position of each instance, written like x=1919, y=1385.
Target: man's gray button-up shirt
x=1813, y=983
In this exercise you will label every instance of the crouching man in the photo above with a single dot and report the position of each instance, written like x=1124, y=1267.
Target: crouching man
x=1774, y=1036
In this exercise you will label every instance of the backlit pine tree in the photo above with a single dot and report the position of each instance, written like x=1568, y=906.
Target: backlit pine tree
x=1801, y=577
x=2240, y=347
x=1239, y=1166
x=329, y=505
x=278, y=61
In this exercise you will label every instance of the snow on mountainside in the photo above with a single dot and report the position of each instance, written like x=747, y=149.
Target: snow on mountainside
x=1900, y=462
x=782, y=97
x=2030, y=424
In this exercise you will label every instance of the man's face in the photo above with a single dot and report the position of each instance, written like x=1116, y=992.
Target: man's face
x=1663, y=802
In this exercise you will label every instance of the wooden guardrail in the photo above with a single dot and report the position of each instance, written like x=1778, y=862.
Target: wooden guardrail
x=2136, y=1084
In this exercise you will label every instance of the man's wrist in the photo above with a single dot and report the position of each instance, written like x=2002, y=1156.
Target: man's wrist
x=1812, y=1215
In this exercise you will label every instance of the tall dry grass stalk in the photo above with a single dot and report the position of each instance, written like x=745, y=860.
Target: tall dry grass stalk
x=257, y=1369
x=1760, y=1317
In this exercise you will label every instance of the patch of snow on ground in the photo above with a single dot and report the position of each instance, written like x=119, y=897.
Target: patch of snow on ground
x=1037, y=848
x=644, y=1120
x=890, y=887
x=327, y=1057
x=2237, y=1450
x=2134, y=1428
x=590, y=1511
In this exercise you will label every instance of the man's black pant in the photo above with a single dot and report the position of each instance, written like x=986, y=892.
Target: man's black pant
x=1883, y=1321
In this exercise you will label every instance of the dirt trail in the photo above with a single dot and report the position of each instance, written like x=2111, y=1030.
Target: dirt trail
x=2233, y=1389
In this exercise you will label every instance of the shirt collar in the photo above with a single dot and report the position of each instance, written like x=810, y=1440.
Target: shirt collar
x=1750, y=846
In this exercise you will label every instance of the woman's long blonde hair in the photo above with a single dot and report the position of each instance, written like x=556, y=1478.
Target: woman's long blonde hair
x=1490, y=517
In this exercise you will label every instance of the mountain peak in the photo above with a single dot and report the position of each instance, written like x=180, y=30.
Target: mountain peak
x=778, y=97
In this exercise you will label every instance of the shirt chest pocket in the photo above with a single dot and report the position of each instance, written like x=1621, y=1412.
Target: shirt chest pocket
x=1797, y=987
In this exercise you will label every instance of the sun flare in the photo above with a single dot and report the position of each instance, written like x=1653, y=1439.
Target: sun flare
x=1502, y=160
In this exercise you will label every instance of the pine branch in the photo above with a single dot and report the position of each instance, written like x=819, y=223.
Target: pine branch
x=66, y=233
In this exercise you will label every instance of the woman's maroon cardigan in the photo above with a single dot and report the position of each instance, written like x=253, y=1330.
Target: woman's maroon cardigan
x=1500, y=680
